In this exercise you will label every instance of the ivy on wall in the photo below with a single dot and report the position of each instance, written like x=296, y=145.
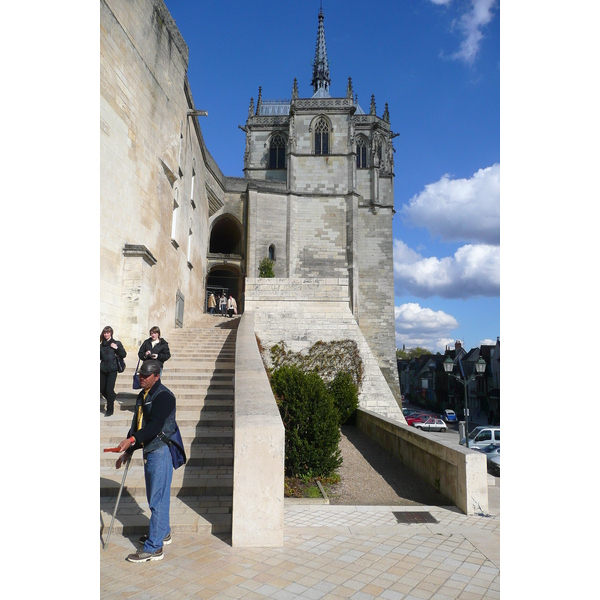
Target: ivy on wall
x=326, y=359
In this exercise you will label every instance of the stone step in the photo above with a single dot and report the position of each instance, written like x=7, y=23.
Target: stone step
x=185, y=419
x=187, y=481
x=126, y=403
x=207, y=435
x=198, y=455
x=204, y=516
x=206, y=393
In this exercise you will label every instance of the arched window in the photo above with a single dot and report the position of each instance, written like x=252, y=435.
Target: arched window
x=322, y=137
x=272, y=252
x=361, y=153
x=277, y=152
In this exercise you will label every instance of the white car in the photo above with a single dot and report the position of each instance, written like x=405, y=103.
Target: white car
x=430, y=424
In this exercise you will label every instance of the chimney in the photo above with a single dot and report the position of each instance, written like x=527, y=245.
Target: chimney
x=457, y=345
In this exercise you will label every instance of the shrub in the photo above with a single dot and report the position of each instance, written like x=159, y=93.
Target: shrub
x=311, y=423
x=265, y=268
x=345, y=396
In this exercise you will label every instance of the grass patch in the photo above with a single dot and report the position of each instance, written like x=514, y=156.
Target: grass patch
x=306, y=487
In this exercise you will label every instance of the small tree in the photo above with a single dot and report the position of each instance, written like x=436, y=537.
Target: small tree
x=265, y=268
x=311, y=422
x=345, y=395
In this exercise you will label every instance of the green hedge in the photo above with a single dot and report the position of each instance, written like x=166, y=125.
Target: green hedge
x=345, y=396
x=311, y=421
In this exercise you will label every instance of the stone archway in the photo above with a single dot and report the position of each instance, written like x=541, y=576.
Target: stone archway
x=228, y=279
x=226, y=236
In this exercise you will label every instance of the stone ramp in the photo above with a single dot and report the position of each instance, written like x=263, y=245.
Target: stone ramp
x=200, y=373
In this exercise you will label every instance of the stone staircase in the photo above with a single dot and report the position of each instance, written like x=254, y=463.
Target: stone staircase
x=200, y=373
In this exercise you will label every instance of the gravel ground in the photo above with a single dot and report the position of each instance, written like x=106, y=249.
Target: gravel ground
x=372, y=477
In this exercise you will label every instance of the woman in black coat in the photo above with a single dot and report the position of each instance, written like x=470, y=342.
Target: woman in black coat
x=155, y=348
x=109, y=349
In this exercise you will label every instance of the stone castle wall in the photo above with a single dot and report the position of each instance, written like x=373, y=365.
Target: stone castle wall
x=376, y=289
x=301, y=312
x=150, y=157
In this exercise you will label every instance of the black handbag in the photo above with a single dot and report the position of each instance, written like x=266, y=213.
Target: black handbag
x=136, y=378
x=120, y=364
x=175, y=444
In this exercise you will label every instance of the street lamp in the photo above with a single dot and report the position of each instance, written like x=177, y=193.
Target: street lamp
x=480, y=369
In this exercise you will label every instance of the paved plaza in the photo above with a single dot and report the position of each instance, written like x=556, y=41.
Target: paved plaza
x=356, y=552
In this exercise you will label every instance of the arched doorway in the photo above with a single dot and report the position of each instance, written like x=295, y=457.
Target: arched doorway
x=228, y=279
x=226, y=236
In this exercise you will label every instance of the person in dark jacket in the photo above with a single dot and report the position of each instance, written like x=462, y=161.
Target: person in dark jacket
x=155, y=348
x=109, y=349
x=153, y=416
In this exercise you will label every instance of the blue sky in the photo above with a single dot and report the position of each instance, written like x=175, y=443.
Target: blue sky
x=437, y=65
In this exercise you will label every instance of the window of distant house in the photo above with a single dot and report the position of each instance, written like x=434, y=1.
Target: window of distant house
x=322, y=137
x=272, y=252
x=361, y=153
x=277, y=152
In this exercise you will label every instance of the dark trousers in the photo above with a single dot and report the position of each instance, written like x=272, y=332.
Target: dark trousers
x=107, y=388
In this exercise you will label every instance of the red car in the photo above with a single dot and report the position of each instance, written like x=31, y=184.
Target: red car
x=417, y=418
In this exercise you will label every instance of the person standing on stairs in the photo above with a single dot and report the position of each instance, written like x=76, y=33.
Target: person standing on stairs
x=109, y=350
x=154, y=415
x=212, y=304
x=155, y=348
x=223, y=303
x=231, y=306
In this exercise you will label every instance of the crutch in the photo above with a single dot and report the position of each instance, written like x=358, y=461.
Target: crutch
x=105, y=544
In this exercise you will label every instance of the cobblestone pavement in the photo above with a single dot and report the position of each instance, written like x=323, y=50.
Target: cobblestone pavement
x=342, y=550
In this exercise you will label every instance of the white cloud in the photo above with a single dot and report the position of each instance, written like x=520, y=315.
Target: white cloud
x=471, y=24
x=487, y=342
x=423, y=327
x=459, y=209
x=474, y=270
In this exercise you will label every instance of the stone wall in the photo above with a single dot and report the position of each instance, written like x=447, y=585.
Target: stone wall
x=376, y=289
x=259, y=449
x=301, y=312
x=151, y=158
x=458, y=473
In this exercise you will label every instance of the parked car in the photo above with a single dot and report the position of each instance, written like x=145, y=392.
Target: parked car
x=493, y=461
x=450, y=416
x=487, y=449
x=430, y=424
x=482, y=436
x=417, y=417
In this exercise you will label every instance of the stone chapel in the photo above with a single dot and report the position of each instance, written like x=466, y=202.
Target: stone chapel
x=317, y=198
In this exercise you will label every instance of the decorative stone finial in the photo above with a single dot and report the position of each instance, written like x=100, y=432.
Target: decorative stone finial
x=259, y=101
x=251, y=109
x=349, y=88
x=386, y=113
x=295, y=90
x=373, y=109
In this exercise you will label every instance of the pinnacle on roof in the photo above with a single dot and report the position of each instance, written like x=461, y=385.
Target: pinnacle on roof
x=321, y=79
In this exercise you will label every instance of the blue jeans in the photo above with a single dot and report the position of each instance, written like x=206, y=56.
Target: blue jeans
x=158, y=471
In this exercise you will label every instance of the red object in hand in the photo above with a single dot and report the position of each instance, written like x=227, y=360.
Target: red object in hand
x=111, y=450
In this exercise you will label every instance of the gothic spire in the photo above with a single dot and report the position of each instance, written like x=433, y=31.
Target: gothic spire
x=320, y=79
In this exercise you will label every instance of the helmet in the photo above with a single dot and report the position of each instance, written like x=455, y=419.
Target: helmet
x=150, y=367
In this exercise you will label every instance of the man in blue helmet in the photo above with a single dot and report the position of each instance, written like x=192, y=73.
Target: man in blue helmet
x=154, y=415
